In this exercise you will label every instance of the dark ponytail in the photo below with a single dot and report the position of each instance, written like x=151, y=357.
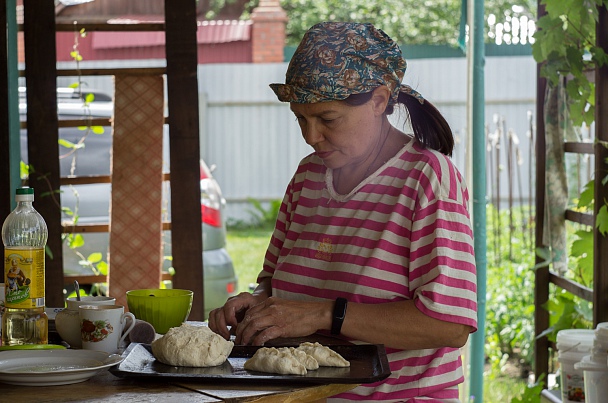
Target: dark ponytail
x=430, y=127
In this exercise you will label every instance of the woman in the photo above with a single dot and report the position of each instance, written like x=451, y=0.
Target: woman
x=373, y=240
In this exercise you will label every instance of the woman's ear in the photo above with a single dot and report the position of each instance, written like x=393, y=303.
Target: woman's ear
x=380, y=98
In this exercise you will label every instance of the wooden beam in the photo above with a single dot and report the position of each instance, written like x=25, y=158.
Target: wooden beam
x=5, y=150
x=600, y=256
x=578, y=148
x=572, y=287
x=144, y=71
x=182, y=87
x=92, y=279
x=64, y=25
x=541, y=279
x=40, y=77
x=581, y=218
x=104, y=26
x=100, y=227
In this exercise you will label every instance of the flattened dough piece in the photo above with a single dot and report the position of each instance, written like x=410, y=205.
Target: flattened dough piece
x=325, y=356
x=275, y=360
x=191, y=346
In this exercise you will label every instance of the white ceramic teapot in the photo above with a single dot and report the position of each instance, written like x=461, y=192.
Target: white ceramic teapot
x=67, y=321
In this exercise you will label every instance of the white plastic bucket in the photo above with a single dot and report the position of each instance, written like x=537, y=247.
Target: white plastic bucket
x=572, y=346
x=596, y=378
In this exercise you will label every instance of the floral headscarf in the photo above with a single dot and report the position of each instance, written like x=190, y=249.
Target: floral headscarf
x=338, y=59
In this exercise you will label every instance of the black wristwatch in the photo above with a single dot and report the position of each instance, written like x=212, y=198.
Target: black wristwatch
x=338, y=315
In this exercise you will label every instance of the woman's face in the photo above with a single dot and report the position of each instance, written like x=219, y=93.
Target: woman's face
x=341, y=134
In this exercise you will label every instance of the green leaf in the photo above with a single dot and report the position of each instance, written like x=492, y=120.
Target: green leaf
x=67, y=211
x=97, y=129
x=532, y=392
x=82, y=292
x=89, y=98
x=587, y=196
x=24, y=169
x=583, y=245
x=76, y=241
x=95, y=257
x=74, y=85
x=48, y=252
x=65, y=143
x=601, y=220
x=103, y=268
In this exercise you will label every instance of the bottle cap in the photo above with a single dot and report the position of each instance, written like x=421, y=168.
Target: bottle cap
x=25, y=191
x=24, y=194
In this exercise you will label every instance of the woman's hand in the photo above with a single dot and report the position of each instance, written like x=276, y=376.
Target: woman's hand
x=232, y=312
x=276, y=317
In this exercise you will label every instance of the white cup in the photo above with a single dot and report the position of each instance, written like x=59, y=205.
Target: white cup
x=104, y=327
x=67, y=322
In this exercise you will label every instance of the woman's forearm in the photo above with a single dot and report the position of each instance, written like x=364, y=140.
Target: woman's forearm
x=401, y=325
x=264, y=288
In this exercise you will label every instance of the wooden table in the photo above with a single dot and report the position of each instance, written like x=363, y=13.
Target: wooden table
x=108, y=388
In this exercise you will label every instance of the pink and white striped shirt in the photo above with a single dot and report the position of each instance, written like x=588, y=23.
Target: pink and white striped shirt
x=403, y=233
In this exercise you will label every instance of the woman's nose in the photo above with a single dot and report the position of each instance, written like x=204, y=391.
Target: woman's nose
x=311, y=135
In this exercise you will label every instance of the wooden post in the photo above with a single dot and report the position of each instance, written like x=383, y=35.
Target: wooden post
x=42, y=130
x=541, y=279
x=5, y=153
x=182, y=89
x=600, y=256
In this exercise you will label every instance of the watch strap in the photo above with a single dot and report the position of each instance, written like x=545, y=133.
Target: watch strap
x=338, y=315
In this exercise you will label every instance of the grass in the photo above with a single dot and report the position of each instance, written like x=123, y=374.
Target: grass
x=247, y=248
x=502, y=388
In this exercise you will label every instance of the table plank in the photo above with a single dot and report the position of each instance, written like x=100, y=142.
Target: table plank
x=104, y=387
x=111, y=389
x=269, y=393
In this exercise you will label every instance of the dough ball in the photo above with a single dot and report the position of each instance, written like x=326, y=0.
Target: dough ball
x=275, y=360
x=191, y=346
x=325, y=356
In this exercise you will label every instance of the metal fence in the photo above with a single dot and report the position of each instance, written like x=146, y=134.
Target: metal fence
x=255, y=143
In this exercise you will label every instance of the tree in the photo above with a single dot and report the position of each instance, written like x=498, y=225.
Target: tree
x=566, y=47
x=406, y=21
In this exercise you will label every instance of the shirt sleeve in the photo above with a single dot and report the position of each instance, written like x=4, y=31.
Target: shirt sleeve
x=442, y=261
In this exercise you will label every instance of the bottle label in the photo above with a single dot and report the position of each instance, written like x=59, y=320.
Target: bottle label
x=24, y=277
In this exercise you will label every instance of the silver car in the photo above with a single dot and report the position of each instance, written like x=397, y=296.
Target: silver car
x=86, y=254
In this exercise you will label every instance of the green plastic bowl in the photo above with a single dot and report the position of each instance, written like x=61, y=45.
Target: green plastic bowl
x=162, y=308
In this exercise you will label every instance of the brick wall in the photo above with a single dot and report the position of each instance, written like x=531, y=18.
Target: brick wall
x=268, y=32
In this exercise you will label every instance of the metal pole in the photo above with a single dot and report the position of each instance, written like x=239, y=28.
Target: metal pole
x=13, y=98
x=479, y=196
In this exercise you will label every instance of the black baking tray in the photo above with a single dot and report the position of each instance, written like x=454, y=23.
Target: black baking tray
x=368, y=363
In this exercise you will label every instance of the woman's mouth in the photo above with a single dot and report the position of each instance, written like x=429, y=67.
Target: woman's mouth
x=324, y=154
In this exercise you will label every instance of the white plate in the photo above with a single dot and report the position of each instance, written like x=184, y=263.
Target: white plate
x=53, y=367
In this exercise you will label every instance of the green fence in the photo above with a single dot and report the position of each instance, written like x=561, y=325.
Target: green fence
x=447, y=51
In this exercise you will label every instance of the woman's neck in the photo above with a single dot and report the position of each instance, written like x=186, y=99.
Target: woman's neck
x=345, y=179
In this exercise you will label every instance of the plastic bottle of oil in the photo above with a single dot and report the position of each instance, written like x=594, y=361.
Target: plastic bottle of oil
x=24, y=234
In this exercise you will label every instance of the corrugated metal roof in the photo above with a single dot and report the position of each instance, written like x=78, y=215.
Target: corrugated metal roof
x=208, y=32
x=223, y=31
